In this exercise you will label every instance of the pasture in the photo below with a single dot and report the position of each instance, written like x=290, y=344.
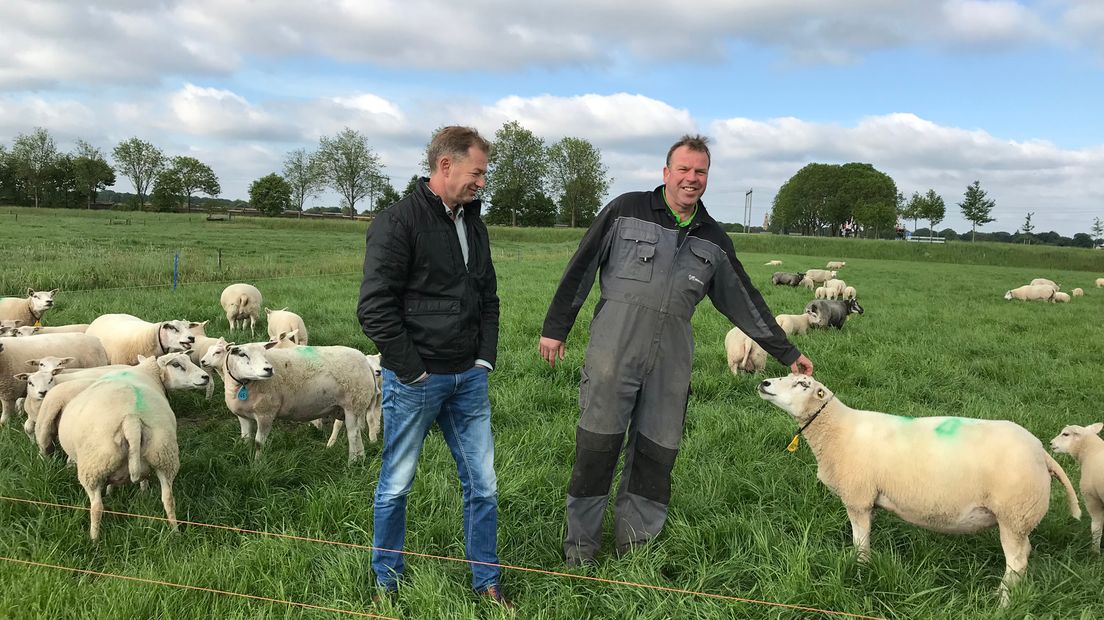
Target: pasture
x=747, y=519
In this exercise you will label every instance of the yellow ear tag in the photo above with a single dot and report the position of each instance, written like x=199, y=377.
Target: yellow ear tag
x=38, y=324
x=793, y=445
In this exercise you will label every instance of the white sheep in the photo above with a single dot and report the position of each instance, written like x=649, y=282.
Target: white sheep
x=85, y=350
x=1044, y=282
x=834, y=288
x=1060, y=297
x=47, y=377
x=241, y=302
x=121, y=426
x=820, y=276
x=1032, y=292
x=125, y=337
x=835, y=264
x=1084, y=444
x=32, y=330
x=948, y=474
x=284, y=321
x=807, y=282
x=772, y=263
x=1078, y=292
x=28, y=310
x=262, y=383
x=794, y=323
x=1099, y=282
x=11, y=323
x=743, y=353
x=820, y=293
x=850, y=293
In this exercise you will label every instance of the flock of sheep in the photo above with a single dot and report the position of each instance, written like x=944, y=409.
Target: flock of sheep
x=1042, y=289
x=99, y=389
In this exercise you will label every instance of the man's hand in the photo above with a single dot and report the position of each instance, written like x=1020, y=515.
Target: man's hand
x=550, y=349
x=803, y=366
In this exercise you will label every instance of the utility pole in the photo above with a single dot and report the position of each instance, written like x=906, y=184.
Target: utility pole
x=747, y=211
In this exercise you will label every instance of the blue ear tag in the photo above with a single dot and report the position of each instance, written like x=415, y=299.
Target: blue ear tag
x=243, y=393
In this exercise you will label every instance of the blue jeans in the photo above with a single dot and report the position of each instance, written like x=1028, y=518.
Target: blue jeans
x=458, y=403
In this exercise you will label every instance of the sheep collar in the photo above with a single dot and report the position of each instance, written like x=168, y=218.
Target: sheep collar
x=795, y=441
x=160, y=343
x=243, y=389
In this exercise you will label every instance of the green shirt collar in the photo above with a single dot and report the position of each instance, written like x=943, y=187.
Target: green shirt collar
x=674, y=214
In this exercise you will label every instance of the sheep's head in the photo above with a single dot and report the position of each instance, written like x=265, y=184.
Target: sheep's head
x=1008, y=295
x=26, y=330
x=1069, y=440
x=198, y=329
x=798, y=395
x=215, y=354
x=286, y=340
x=8, y=332
x=41, y=301
x=853, y=307
x=176, y=336
x=247, y=362
x=39, y=382
x=178, y=372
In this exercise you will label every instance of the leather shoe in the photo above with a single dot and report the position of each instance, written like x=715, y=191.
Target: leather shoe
x=497, y=596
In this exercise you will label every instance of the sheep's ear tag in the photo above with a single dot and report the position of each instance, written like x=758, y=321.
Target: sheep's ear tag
x=38, y=324
x=243, y=393
x=793, y=444
x=820, y=393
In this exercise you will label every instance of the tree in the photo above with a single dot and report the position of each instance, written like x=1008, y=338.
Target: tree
x=976, y=207
x=828, y=195
x=1027, y=228
x=1082, y=240
x=270, y=195
x=304, y=173
x=1097, y=231
x=167, y=190
x=194, y=176
x=140, y=162
x=349, y=166
x=876, y=217
x=411, y=185
x=578, y=178
x=934, y=209
x=32, y=156
x=388, y=196
x=92, y=172
x=516, y=174
x=59, y=183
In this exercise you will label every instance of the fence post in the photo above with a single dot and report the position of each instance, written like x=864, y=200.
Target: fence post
x=220, y=259
x=176, y=266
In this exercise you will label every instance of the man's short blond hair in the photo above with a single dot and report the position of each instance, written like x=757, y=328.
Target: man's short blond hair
x=696, y=142
x=454, y=141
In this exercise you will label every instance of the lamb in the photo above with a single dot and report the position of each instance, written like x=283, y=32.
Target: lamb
x=948, y=474
x=47, y=377
x=241, y=302
x=1060, y=297
x=794, y=323
x=807, y=282
x=787, y=279
x=1084, y=444
x=834, y=288
x=820, y=276
x=1032, y=292
x=835, y=264
x=284, y=321
x=28, y=310
x=85, y=350
x=122, y=424
x=772, y=263
x=1078, y=292
x=743, y=353
x=31, y=330
x=310, y=382
x=1044, y=282
x=832, y=313
x=125, y=337
x=820, y=293
x=1099, y=282
x=850, y=293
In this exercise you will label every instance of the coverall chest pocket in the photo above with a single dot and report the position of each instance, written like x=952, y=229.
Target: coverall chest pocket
x=637, y=253
x=696, y=272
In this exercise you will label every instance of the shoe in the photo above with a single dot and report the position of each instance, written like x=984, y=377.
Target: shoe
x=385, y=596
x=579, y=562
x=497, y=596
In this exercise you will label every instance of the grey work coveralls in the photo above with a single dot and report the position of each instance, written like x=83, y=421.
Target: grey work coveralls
x=636, y=377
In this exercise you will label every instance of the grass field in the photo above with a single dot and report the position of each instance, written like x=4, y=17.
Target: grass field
x=747, y=519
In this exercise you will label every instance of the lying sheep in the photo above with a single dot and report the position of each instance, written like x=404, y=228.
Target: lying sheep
x=1060, y=297
x=772, y=263
x=1084, y=444
x=27, y=310
x=743, y=353
x=263, y=383
x=948, y=474
x=31, y=330
x=835, y=264
x=786, y=279
x=10, y=323
x=1099, y=282
x=85, y=350
x=850, y=293
x=1032, y=292
x=241, y=302
x=1078, y=292
x=832, y=312
x=794, y=323
x=820, y=276
x=1044, y=282
x=834, y=288
x=284, y=321
x=121, y=426
x=125, y=337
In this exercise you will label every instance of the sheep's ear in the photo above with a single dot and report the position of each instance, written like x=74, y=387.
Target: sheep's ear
x=820, y=392
x=142, y=358
x=22, y=376
x=54, y=292
x=56, y=370
x=270, y=344
x=17, y=323
x=30, y=291
x=1095, y=428
x=268, y=311
x=34, y=363
x=231, y=348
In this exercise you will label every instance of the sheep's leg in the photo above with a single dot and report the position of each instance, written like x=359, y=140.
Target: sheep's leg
x=166, y=480
x=264, y=426
x=28, y=428
x=353, y=427
x=247, y=428
x=337, y=426
x=252, y=324
x=318, y=424
x=1096, y=512
x=95, y=498
x=1017, y=548
x=860, y=517
x=6, y=408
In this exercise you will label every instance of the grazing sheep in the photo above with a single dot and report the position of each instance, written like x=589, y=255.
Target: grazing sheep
x=835, y=264
x=820, y=293
x=1078, y=292
x=263, y=383
x=1032, y=292
x=1060, y=297
x=121, y=426
x=85, y=350
x=1044, y=282
x=820, y=276
x=832, y=312
x=772, y=263
x=284, y=321
x=241, y=302
x=948, y=474
x=850, y=293
x=743, y=353
x=28, y=310
x=1084, y=444
x=834, y=288
x=31, y=330
x=807, y=283
x=1099, y=282
x=125, y=337
x=794, y=323
x=786, y=279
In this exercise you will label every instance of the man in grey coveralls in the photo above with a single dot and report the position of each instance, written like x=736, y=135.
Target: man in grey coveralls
x=659, y=254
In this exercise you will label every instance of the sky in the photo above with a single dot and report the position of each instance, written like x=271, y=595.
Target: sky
x=936, y=94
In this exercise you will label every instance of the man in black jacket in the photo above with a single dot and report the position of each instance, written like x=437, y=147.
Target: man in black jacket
x=659, y=254
x=429, y=302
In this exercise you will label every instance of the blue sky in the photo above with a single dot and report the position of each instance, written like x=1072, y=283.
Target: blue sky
x=934, y=93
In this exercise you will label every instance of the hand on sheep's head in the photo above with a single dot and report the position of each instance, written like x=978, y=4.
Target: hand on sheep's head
x=802, y=366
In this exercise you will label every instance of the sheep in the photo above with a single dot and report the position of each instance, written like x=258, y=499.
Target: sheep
x=85, y=350
x=820, y=276
x=772, y=263
x=11, y=323
x=807, y=283
x=1084, y=444
x=31, y=330
x=1044, y=282
x=28, y=310
x=787, y=279
x=310, y=382
x=9, y=332
x=835, y=264
x=793, y=323
x=1078, y=292
x=743, y=353
x=832, y=313
x=125, y=337
x=834, y=288
x=1099, y=282
x=820, y=293
x=121, y=425
x=241, y=302
x=284, y=321
x=1060, y=297
x=948, y=474
x=48, y=376
x=1032, y=292
x=849, y=292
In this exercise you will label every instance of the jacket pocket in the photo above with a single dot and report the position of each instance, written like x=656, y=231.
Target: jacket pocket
x=637, y=253
x=420, y=306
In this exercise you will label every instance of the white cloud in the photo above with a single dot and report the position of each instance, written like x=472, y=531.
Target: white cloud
x=1000, y=23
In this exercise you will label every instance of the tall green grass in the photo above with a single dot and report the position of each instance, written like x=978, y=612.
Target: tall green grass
x=747, y=519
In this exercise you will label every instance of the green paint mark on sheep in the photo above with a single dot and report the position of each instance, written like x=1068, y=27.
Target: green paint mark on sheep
x=307, y=351
x=139, y=399
x=949, y=427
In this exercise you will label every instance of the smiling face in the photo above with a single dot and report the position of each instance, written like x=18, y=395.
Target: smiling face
x=797, y=395
x=461, y=177
x=685, y=178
